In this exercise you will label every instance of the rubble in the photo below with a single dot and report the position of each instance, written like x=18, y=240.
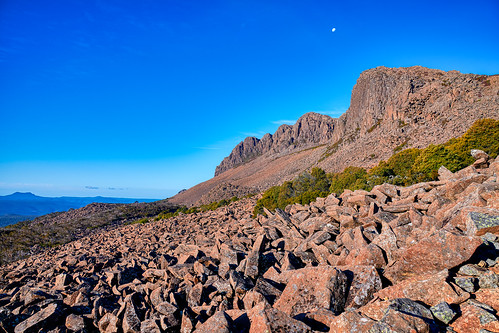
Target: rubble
x=421, y=258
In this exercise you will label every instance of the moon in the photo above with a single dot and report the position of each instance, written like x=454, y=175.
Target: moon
x=333, y=30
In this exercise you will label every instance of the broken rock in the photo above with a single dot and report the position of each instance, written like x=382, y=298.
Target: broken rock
x=432, y=254
x=311, y=288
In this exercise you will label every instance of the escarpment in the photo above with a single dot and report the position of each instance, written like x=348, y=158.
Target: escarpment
x=311, y=129
x=390, y=109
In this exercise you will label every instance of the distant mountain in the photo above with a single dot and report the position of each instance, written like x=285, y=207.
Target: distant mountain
x=22, y=206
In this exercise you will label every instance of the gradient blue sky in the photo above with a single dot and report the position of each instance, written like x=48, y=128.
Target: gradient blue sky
x=144, y=98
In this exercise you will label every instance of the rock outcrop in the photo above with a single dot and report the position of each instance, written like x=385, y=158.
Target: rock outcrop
x=423, y=258
x=390, y=109
x=311, y=129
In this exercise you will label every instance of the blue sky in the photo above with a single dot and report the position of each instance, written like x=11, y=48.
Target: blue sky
x=144, y=98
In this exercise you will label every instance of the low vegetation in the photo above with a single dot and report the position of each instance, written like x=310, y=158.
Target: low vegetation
x=404, y=168
x=198, y=209
x=331, y=150
x=24, y=238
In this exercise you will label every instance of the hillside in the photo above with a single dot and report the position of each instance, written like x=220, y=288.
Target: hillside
x=29, y=237
x=422, y=258
x=23, y=206
x=390, y=108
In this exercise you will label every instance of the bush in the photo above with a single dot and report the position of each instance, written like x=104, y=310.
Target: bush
x=406, y=167
x=352, y=178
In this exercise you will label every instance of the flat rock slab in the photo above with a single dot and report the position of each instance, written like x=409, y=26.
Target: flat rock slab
x=311, y=288
x=405, y=315
x=442, y=250
x=43, y=318
x=430, y=289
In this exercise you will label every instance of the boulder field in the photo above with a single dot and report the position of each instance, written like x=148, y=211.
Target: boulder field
x=422, y=258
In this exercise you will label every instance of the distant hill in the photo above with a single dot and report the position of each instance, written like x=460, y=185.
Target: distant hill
x=23, y=206
x=24, y=238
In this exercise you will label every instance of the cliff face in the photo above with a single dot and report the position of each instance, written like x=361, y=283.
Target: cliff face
x=390, y=109
x=396, y=97
x=384, y=100
x=310, y=129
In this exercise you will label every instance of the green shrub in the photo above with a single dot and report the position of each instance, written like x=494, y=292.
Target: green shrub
x=401, y=146
x=352, y=178
x=373, y=127
x=404, y=168
x=139, y=221
x=435, y=156
x=484, y=135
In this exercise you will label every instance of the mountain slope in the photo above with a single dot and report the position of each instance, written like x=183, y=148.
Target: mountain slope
x=421, y=258
x=390, y=109
x=28, y=237
x=312, y=128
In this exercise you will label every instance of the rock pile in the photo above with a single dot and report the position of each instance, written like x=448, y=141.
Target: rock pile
x=422, y=258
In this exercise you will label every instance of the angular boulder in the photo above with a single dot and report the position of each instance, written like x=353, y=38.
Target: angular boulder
x=311, y=288
x=405, y=315
x=480, y=223
x=475, y=319
x=219, y=322
x=351, y=321
x=430, y=289
x=441, y=250
x=364, y=282
x=266, y=319
x=46, y=317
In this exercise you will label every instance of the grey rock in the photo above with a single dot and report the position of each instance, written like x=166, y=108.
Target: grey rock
x=411, y=307
x=478, y=154
x=472, y=270
x=466, y=283
x=489, y=280
x=481, y=223
x=489, y=237
x=491, y=262
x=443, y=312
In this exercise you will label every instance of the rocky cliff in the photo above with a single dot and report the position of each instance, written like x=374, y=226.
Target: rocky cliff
x=311, y=129
x=390, y=109
x=422, y=258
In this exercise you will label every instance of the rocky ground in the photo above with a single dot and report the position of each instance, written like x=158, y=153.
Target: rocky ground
x=30, y=237
x=418, y=259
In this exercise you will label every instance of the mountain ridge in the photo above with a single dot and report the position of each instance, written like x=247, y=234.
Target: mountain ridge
x=390, y=109
x=311, y=128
